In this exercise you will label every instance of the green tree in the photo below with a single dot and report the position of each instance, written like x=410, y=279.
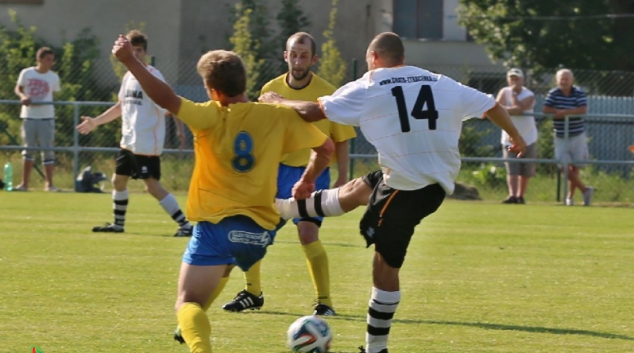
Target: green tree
x=245, y=45
x=258, y=27
x=541, y=34
x=291, y=20
x=332, y=67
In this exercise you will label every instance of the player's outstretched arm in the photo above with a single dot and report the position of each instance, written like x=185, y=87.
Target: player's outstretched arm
x=309, y=111
x=501, y=118
x=88, y=124
x=159, y=91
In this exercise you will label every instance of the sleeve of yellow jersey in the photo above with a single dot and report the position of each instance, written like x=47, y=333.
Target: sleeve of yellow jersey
x=299, y=134
x=198, y=116
x=340, y=133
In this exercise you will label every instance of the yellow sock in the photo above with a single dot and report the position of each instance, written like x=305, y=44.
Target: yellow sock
x=252, y=279
x=317, y=261
x=195, y=328
x=216, y=292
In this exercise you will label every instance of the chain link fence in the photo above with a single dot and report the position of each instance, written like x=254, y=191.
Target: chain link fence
x=610, y=128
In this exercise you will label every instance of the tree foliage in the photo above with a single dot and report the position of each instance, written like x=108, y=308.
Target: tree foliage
x=258, y=27
x=245, y=45
x=540, y=34
x=291, y=20
x=332, y=67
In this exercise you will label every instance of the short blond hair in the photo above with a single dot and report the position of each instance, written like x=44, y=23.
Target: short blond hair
x=223, y=71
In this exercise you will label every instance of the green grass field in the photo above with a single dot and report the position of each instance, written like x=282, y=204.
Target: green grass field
x=479, y=277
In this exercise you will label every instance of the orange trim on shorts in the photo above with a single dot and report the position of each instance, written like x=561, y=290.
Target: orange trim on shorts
x=385, y=207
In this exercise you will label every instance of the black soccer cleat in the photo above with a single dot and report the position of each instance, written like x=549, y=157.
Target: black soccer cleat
x=362, y=350
x=324, y=310
x=244, y=300
x=108, y=228
x=184, y=232
x=178, y=335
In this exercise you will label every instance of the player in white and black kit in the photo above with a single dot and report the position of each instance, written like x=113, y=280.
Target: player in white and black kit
x=143, y=136
x=414, y=118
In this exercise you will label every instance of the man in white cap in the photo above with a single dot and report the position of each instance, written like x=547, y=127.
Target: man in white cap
x=518, y=102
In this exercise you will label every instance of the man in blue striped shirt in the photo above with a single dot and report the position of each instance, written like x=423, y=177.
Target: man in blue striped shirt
x=569, y=100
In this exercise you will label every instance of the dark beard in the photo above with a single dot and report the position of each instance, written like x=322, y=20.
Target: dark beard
x=303, y=75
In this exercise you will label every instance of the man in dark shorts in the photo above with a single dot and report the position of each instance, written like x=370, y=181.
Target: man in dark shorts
x=413, y=118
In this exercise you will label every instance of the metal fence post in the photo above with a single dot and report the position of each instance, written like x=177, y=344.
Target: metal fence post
x=352, y=142
x=75, y=142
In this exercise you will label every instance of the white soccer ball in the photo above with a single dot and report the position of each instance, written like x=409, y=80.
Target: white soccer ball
x=309, y=334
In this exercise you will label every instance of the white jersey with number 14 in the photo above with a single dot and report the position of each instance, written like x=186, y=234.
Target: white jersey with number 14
x=413, y=118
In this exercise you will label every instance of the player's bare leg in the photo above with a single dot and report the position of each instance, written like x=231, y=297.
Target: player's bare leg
x=327, y=203
x=178, y=333
x=196, y=286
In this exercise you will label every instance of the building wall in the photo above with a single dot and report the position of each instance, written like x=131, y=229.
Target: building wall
x=422, y=52
x=179, y=31
x=57, y=20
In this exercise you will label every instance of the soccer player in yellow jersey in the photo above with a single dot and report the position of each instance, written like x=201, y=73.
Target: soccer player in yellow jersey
x=238, y=146
x=300, y=83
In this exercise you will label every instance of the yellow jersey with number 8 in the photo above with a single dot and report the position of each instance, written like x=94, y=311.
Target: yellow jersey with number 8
x=238, y=149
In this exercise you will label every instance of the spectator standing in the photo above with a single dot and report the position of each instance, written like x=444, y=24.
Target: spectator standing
x=517, y=99
x=569, y=100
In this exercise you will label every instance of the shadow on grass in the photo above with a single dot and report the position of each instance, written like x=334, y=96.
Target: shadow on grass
x=343, y=245
x=487, y=326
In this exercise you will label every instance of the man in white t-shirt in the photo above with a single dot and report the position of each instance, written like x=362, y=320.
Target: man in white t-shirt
x=37, y=84
x=517, y=99
x=414, y=118
x=143, y=136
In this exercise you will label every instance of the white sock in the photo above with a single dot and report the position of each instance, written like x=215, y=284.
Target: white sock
x=322, y=203
x=119, y=207
x=170, y=205
x=381, y=310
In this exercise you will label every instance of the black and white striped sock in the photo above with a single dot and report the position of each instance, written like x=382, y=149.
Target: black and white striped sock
x=119, y=206
x=322, y=203
x=170, y=205
x=381, y=310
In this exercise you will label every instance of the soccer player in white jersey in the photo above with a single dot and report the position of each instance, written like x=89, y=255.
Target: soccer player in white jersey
x=413, y=117
x=143, y=136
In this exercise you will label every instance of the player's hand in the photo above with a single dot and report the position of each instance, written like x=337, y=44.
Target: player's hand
x=302, y=189
x=26, y=101
x=122, y=49
x=517, y=146
x=270, y=97
x=87, y=125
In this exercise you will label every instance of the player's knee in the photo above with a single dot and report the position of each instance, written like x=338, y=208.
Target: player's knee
x=308, y=238
x=356, y=193
x=119, y=183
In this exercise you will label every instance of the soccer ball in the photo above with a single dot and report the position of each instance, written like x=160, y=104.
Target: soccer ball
x=309, y=334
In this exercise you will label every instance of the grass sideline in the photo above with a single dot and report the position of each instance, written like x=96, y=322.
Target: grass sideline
x=478, y=278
